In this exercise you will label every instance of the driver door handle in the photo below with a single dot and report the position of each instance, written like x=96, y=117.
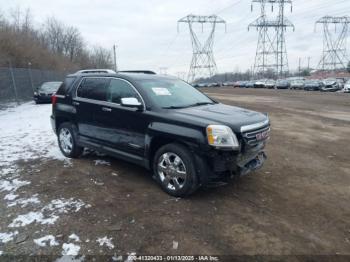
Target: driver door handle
x=106, y=109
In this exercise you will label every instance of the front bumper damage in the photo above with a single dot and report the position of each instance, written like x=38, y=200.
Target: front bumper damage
x=225, y=165
x=246, y=165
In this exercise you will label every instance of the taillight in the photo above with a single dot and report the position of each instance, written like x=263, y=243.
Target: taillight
x=53, y=99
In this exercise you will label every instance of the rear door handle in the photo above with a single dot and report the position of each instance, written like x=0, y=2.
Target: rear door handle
x=76, y=103
x=106, y=109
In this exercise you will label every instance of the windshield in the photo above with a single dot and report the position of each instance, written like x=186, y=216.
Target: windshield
x=173, y=93
x=50, y=86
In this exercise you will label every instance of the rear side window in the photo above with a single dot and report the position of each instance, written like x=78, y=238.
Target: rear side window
x=62, y=90
x=119, y=89
x=93, y=88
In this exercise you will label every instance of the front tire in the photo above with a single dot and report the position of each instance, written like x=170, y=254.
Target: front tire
x=175, y=171
x=67, y=141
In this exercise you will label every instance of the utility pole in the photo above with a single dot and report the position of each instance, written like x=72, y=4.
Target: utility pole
x=308, y=63
x=30, y=75
x=299, y=66
x=115, y=57
x=334, y=55
x=271, y=52
x=203, y=62
x=13, y=82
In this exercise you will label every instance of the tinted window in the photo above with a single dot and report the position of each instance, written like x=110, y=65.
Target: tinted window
x=93, y=88
x=119, y=89
x=66, y=84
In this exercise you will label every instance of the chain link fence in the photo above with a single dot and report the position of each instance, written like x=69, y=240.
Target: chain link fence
x=19, y=84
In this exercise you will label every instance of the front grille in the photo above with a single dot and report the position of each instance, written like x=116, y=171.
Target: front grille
x=251, y=137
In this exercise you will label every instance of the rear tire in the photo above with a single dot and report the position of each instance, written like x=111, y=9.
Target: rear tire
x=67, y=141
x=174, y=169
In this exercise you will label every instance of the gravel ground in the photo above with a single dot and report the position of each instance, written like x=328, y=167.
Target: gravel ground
x=298, y=204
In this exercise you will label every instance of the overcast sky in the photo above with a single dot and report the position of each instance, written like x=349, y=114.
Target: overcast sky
x=146, y=30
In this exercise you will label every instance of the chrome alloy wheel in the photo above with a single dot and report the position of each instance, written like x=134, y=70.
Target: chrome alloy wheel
x=172, y=171
x=66, y=140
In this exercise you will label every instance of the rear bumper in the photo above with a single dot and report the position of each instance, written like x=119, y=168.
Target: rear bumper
x=53, y=123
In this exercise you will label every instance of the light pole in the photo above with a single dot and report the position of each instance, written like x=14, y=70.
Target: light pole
x=30, y=75
x=115, y=57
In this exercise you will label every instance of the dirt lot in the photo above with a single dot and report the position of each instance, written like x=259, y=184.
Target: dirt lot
x=297, y=204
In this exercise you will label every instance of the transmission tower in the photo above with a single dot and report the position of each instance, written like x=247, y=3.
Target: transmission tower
x=203, y=62
x=271, y=52
x=334, y=54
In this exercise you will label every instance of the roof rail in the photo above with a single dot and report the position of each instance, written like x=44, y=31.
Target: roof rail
x=96, y=71
x=148, y=72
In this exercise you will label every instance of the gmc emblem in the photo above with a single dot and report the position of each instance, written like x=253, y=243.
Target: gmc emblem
x=262, y=135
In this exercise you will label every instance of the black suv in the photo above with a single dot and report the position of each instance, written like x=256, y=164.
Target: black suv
x=161, y=123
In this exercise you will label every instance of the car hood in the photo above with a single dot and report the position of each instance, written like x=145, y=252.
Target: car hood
x=234, y=117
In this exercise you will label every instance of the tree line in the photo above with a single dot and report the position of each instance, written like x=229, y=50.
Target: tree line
x=51, y=46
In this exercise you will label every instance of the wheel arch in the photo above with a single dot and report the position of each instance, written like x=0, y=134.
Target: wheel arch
x=160, y=134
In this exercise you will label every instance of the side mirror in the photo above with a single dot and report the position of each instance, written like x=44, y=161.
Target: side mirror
x=131, y=102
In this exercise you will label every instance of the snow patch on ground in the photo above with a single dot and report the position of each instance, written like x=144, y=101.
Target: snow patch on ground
x=105, y=241
x=10, y=197
x=70, y=249
x=4, y=171
x=7, y=237
x=46, y=240
x=23, y=202
x=12, y=185
x=26, y=133
x=49, y=214
x=31, y=217
x=101, y=163
x=74, y=237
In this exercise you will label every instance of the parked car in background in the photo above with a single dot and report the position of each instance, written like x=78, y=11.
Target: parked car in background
x=312, y=85
x=282, y=84
x=213, y=84
x=270, y=83
x=260, y=83
x=45, y=91
x=297, y=84
x=249, y=84
x=346, y=88
x=240, y=84
x=228, y=84
x=331, y=85
x=161, y=123
x=341, y=82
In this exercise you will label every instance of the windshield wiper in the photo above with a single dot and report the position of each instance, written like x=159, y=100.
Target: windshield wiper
x=201, y=104
x=174, y=107
x=192, y=105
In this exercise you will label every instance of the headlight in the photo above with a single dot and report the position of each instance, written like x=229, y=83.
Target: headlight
x=221, y=136
x=35, y=93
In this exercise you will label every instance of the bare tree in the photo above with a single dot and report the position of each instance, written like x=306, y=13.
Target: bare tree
x=101, y=58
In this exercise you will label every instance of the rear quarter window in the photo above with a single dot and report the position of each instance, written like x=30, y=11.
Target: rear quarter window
x=93, y=88
x=62, y=90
